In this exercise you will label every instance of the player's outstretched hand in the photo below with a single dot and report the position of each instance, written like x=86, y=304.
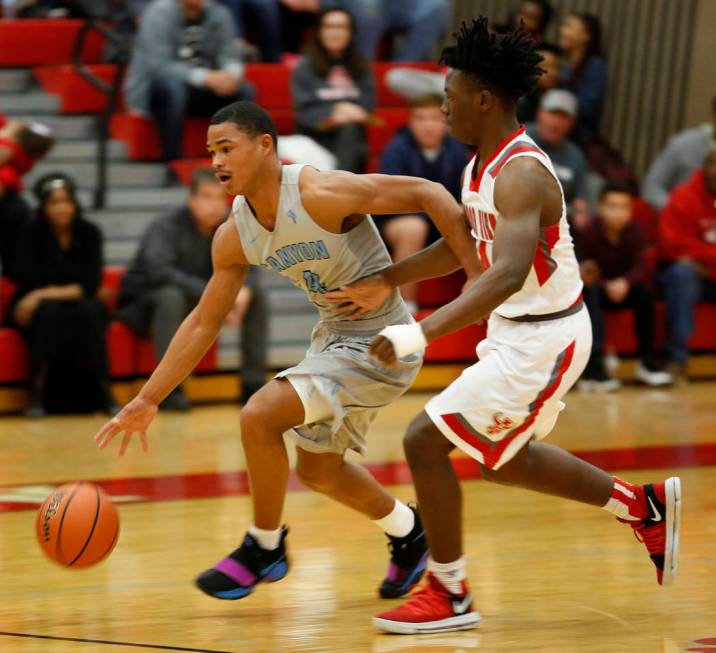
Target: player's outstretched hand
x=360, y=297
x=383, y=351
x=135, y=417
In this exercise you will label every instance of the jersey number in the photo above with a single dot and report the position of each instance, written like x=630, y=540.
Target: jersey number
x=313, y=282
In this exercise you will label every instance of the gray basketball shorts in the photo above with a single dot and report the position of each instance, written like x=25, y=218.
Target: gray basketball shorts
x=342, y=388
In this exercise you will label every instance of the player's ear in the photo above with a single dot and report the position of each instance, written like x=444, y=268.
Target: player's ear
x=266, y=143
x=484, y=100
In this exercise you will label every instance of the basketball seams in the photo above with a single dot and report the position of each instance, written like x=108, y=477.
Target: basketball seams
x=94, y=525
x=58, y=547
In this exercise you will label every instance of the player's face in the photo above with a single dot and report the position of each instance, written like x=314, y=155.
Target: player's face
x=550, y=64
x=462, y=107
x=208, y=206
x=428, y=127
x=615, y=210
x=236, y=156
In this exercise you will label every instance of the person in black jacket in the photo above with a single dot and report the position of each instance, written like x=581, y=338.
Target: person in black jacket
x=58, y=270
x=333, y=91
x=421, y=149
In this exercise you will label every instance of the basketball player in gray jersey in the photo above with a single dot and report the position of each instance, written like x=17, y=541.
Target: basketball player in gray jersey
x=314, y=228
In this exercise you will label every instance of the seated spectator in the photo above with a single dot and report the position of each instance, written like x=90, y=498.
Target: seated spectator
x=21, y=145
x=185, y=62
x=555, y=120
x=420, y=25
x=333, y=91
x=528, y=105
x=585, y=73
x=264, y=17
x=611, y=253
x=535, y=15
x=683, y=155
x=422, y=149
x=59, y=268
x=167, y=276
x=688, y=240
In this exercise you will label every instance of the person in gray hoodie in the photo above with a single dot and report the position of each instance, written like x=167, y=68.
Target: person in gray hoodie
x=185, y=62
x=683, y=155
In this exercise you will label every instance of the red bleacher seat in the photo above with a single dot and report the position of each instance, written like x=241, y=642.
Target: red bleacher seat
x=433, y=293
x=273, y=84
x=388, y=121
x=458, y=346
x=30, y=42
x=7, y=290
x=76, y=94
x=13, y=354
x=146, y=361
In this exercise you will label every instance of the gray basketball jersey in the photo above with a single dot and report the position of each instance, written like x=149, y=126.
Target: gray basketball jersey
x=317, y=260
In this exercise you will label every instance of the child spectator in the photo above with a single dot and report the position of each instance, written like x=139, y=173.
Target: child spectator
x=333, y=91
x=585, y=73
x=422, y=149
x=59, y=268
x=21, y=145
x=612, y=267
x=688, y=241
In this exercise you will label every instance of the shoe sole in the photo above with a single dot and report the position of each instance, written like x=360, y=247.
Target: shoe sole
x=278, y=571
x=672, y=490
x=460, y=622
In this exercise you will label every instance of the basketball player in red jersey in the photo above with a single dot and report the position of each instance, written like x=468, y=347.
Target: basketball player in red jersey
x=537, y=344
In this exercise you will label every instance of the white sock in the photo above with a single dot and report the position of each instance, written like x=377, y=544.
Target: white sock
x=398, y=522
x=450, y=574
x=267, y=540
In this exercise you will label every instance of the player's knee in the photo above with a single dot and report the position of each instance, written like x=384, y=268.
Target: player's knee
x=256, y=419
x=318, y=478
x=419, y=442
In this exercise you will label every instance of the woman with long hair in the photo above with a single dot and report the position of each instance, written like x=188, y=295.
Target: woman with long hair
x=585, y=71
x=59, y=269
x=333, y=90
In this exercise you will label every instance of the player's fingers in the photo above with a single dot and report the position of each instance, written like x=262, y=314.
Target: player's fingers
x=143, y=440
x=345, y=309
x=337, y=296
x=107, y=437
x=125, y=442
x=110, y=429
x=359, y=313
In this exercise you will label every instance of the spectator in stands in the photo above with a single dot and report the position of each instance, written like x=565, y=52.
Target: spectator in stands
x=688, y=240
x=420, y=24
x=422, y=149
x=333, y=91
x=185, y=62
x=612, y=265
x=265, y=19
x=683, y=155
x=585, y=73
x=535, y=15
x=167, y=276
x=59, y=268
x=528, y=104
x=21, y=145
x=555, y=120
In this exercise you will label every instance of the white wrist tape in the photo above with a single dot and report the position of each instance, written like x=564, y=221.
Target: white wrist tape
x=406, y=338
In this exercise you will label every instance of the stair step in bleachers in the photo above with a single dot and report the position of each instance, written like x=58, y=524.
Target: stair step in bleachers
x=75, y=94
x=122, y=225
x=28, y=104
x=15, y=81
x=119, y=175
x=65, y=127
x=65, y=151
x=29, y=42
x=151, y=199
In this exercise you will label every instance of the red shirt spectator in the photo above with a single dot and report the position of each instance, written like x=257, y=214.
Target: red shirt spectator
x=688, y=222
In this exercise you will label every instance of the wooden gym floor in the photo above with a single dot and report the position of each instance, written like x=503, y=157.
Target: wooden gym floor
x=547, y=575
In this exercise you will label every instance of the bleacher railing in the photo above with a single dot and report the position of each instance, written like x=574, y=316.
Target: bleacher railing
x=121, y=45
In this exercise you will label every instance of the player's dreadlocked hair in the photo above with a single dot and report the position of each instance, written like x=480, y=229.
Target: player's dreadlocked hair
x=506, y=64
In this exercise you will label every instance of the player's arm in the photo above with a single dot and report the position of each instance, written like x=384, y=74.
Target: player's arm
x=191, y=341
x=519, y=198
x=331, y=196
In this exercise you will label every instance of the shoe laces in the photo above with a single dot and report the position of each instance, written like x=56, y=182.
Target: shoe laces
x=424, y=598
x=652, y=537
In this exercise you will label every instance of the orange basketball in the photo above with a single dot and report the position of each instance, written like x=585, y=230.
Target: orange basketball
x=78, y=525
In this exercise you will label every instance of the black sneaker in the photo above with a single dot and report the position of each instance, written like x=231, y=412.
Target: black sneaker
x=408, y=559
x=241, y=571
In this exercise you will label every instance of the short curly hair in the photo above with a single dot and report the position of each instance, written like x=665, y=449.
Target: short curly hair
x=506, y=64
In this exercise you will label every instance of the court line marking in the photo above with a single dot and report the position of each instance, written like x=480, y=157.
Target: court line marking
x=609, y=615
x=112, y=643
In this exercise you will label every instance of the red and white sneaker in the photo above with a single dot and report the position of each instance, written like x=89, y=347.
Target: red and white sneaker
x=659, y=531
x=430, y=609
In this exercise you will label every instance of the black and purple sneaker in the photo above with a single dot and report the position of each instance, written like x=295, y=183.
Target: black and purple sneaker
x=241, y=571
x=408, y=559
